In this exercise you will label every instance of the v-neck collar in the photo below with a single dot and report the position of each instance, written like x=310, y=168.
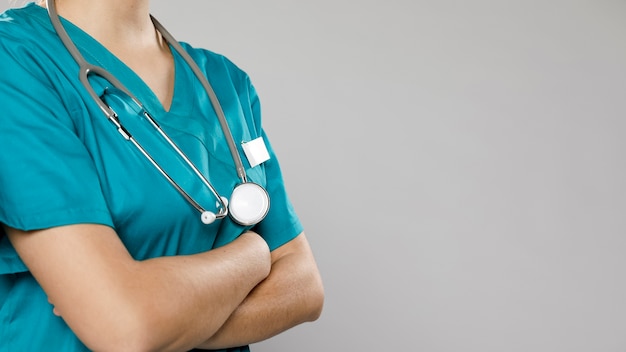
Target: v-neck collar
x=97, y=54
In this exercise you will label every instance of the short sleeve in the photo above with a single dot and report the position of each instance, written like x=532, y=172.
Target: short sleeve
x=47, y=176
x=281, y=223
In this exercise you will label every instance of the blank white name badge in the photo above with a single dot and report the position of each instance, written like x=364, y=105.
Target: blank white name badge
x=256, y=151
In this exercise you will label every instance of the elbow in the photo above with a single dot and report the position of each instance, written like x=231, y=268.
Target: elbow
x=315, y=301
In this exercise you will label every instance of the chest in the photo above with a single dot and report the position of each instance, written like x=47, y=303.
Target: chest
x=151, y=215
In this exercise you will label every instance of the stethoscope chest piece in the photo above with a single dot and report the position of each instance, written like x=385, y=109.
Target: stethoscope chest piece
x=248, y=204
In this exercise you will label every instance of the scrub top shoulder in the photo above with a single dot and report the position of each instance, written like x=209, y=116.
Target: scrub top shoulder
x=67, y=164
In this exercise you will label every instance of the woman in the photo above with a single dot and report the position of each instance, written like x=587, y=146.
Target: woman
x=98, y=251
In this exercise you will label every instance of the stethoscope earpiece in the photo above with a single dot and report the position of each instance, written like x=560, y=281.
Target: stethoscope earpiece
x=207, y=217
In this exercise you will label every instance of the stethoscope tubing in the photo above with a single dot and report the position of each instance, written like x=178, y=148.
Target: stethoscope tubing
x=217, y=107
x=86, y=69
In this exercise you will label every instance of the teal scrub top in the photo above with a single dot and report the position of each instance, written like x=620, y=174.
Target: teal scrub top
x=64, y=163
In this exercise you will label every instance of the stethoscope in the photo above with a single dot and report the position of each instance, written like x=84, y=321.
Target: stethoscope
x=249, y=202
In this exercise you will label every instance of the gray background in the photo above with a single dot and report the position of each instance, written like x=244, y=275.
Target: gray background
x=459, y=165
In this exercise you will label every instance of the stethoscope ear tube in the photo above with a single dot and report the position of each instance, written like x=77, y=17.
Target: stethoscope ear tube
x=85, y=68
x=249, y=202
x=241, y=171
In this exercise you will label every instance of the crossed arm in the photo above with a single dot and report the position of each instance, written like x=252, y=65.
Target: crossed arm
x=230, y=296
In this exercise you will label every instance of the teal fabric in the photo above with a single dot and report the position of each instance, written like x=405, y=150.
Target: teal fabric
x=64, y=163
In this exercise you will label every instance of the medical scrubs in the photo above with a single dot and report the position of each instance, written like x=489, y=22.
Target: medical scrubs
x=62, y=162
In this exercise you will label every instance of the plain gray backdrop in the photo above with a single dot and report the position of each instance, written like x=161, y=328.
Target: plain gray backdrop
x=459, y=166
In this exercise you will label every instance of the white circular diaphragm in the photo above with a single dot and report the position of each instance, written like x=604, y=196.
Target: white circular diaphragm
x=248, y=204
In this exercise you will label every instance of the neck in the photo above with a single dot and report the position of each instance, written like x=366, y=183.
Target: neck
x=124, y=27
x=111, y=22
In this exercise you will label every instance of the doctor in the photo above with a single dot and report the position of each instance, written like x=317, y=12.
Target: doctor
x=97, y=250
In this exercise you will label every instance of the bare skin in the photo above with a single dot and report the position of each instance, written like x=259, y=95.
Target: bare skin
x=114, y=303
x=232, y=296
x=124, y=28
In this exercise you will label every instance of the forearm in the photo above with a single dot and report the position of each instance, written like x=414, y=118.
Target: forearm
x=191, y=297
x=113, y=302
x=290, y=295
